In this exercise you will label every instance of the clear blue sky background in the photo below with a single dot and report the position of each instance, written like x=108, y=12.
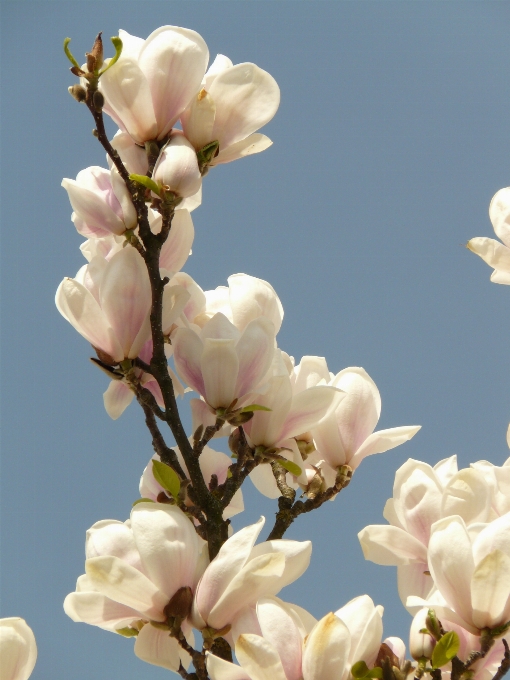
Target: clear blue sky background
x=392, y=136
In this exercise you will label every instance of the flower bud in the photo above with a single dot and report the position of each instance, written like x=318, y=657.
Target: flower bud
x=421, y=644
x=78, y=92
x=95, y=56
x=177, y=168
x=180, y=604
x=98, y=101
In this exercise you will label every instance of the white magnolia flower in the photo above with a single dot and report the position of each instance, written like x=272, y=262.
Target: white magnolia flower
x=242, y=573
x=233, y=103
x=177, y=168
x=139, y=572
x=496, y=254
x=151, y=84
x=18, y=649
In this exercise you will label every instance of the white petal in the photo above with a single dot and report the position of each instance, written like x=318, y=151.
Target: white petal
x=365, y=625
x=468, y=495
x=188, y=349
x=98, y=610
x=219, y=669
x=251, y=298
x=297, y=558
x=252, y=144
x=499, y=213
x=326, y=650
x=220, y=368
x=490, y=590
x=259, y=658
x=18, y=649
x=117, y=398
x=494, y=253
x=388, y=545
x=382, y=441
x=155, y=646
x=263, y=480
x=278, y=627
x=307, y=409
x=177, y=247
x=255, y=351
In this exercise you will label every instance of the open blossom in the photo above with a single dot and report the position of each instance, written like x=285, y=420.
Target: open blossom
x=347, y=435
x=471, y=571
x=496, y=254
x=232, y=104
x=153, y=81
x=222, y=364
x=421, y=496
x=141, y=571
x=18, y=649
x=101, y=202
x=242, y=573
x=211, y=463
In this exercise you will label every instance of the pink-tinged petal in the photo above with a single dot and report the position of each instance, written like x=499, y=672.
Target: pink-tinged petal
x=251, y=298
x=220, y=64
x=297, y=558
x=129, y=215
x=364, y=622
x=109, y=537
x=165, y=536
x=78, y=306
x=414, y=579
x=278, y=626
x=18, y=649
x=132, y=155
x=258, y=578
x=328, y=441
x=201, y=414
x=308, y=408
x=175, y=299
x=255, y=350
x=174, y=61
x=382, y=441
x=390, y=514
x=155, y=389
x=229, y=561
x=499, y=213
x=388, y=545
x=326, y=652
x=398, y=648
x=155, y=646
x=220, y=368
x=467, y=494
x=254, y=143
x=188, y=349
x=263, y=480
x=177, y=247
x=219, y=327
x=451, y=563
x=126, y=299
x=123, y=583
x=258, y=658
x=177, y=167
x=219, y=669
x=196, y=304
x=494, y=253
x=99, y=610
x=128, y=98
x=246, y=98
x=490, y=591
x=359, y=412
x=117, y=398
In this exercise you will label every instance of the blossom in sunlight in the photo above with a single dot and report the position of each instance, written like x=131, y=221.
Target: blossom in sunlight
x=18, y=649
x=231, y=105
x=177, y=168
x=242, y=573
x=222, y=364
x=101, y=202
x=496, y=254
x=140, y=573
x=151, y=84
x=471, y=571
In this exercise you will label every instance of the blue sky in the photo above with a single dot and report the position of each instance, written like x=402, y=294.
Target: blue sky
x=392, y=136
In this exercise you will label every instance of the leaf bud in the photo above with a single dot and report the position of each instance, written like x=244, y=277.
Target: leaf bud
x=234, y=441
x=78, y=92
x=98, y=101
x=180, y=604
x=95, y=56
x=239, y=418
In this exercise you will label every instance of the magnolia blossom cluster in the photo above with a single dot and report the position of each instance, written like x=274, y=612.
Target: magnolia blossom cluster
x=176, y=567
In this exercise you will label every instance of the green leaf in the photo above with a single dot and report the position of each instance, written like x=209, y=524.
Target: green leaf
x=254, y=407
x=69, y=54
x=290, y=467
x=147, y=182
x=117, y=43
x=359, y=670
x=445, y=649
x=127, y=632
x=143, y=500
x=166, y=477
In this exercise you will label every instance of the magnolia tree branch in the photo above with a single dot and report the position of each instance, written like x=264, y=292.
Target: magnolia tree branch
x=505, y=663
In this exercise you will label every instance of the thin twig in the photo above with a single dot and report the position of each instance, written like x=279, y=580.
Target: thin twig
x=505, y=663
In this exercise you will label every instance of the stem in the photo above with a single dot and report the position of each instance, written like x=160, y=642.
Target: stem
x=505, y=663
x=166, y=454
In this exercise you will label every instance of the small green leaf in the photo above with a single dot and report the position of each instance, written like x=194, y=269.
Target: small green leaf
x=127, y=632
x=69, y=54
x=359, y=670
x=445, y=649
x=375, y=673
x=147, y=182
x=290, y=467
x=254, y=407
x=117, y=43
x=143, y=500
x=166, y=477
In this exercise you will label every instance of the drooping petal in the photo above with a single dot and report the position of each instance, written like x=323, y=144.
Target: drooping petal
x=254, y=143
x=388, y=545
x=98, y=610
x=494, y=253
x=155, y=646
x=382, y=441
x=117, y=398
